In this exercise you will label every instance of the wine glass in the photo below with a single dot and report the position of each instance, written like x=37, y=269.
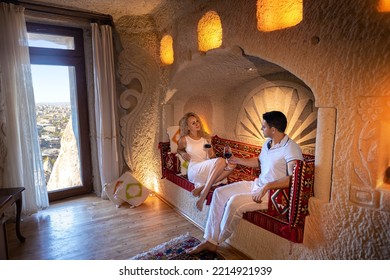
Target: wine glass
x=206, y=147
x=227, y=153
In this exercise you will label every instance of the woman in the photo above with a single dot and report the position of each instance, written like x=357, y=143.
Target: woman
x=204, y=169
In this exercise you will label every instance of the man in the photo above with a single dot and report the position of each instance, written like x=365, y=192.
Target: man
x=277, y=159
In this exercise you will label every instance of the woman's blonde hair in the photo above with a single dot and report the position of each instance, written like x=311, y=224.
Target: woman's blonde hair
x=183, y=124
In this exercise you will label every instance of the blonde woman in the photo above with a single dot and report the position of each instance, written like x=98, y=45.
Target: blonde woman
x=204, y=169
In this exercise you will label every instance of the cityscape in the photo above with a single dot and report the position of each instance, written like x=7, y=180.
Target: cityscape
x=52, y=125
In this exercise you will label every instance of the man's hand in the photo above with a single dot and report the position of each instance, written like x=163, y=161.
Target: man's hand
x=250, y=162
x=258, y=195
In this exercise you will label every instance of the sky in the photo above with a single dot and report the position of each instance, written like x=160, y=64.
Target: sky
x=51, y=83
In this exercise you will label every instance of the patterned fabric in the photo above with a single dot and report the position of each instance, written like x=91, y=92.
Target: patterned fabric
x=126, y=189
x=300, y=192
x=278, y=203
x=242, y=150
x=176, y=250
x=169, y=161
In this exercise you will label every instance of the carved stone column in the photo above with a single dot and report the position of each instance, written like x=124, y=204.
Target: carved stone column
x=326, y=129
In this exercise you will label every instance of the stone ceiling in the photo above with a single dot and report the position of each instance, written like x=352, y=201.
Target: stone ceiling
x=115, y=8
x=230, y=67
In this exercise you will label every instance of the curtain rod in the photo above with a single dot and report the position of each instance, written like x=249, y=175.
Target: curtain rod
x=62, y=11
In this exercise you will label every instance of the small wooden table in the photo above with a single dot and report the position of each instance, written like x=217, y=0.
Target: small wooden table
x=8, y=197
x=16, y=197
x=5, y=202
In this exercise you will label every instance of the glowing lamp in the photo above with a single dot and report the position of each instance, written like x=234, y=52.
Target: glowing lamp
x=278, y=14
x=383, y=6
x=166, y=50
x=209, y=32
x=206, y=127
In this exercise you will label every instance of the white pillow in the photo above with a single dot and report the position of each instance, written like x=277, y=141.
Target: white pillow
x=174, y=135
x=131, y=191
x=110, y=190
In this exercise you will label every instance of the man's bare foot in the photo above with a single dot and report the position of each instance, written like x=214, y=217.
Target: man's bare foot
x=197, y=191
x=204, y=246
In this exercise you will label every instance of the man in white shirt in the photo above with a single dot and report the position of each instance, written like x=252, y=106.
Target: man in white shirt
x=230, y=202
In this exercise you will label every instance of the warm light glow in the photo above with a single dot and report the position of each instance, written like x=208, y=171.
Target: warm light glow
x=206, y=126
x=278, y=14
x=383, y=6
x=383, y=164
x=209, y=32
x=166, y=50
x=152, y=182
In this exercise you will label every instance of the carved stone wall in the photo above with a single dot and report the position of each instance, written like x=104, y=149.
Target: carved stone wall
x=139, y=96
x=370, y=181
x=339, y=51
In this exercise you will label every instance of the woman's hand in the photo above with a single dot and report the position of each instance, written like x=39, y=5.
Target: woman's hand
x=185, y=156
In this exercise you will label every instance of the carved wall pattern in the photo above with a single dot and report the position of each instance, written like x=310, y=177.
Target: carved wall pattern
x=371, y=154
x=139, y=73
x=296, y=102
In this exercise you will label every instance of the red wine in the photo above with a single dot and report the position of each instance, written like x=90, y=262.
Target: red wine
x=207, y=146
x=227, y=155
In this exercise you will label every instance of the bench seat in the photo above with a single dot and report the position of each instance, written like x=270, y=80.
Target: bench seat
x=287, y=208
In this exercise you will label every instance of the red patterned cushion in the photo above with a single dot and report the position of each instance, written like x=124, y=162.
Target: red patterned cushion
x=278, y=204
x=169, y=161
x=172, y=163
x=242, y=150
x=301, y=191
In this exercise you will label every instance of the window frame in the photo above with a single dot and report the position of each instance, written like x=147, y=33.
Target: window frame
x=75, y=58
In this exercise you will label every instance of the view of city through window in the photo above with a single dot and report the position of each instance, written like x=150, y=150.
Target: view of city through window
x=55, y=124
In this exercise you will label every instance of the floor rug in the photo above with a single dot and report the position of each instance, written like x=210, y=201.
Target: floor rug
x=175, y=249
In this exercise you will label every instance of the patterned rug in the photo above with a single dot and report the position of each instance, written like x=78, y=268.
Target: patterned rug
x=175, y=249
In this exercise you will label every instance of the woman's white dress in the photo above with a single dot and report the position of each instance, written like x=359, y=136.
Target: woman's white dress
x=200, y=165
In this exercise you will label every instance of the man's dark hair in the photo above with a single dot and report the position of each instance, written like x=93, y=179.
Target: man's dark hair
x=276, y=119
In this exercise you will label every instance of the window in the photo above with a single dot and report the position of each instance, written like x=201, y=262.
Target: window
x=57, y=64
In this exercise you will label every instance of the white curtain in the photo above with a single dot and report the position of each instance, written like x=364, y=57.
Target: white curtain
x=103, y=59
x=23, y=164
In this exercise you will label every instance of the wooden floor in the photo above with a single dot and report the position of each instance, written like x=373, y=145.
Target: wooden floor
x=89, y=228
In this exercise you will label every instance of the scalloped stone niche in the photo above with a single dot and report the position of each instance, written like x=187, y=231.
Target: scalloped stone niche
x=370, y=178
x=295, y=101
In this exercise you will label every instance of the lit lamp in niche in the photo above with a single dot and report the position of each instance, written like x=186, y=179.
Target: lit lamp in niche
x=205, y=124
x=278, y=14
x=383, y=6
x=166, y=50
x=209, y=32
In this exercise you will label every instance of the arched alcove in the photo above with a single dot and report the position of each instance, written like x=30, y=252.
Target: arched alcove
x=166, y=50
x=238, y=88
x=209, y=31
